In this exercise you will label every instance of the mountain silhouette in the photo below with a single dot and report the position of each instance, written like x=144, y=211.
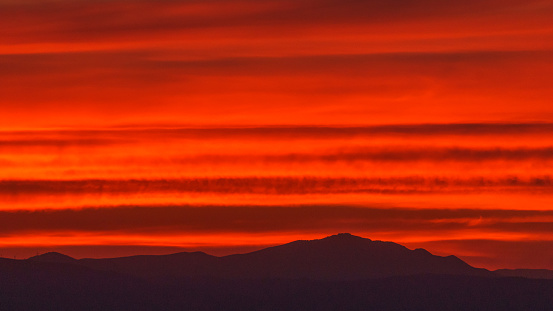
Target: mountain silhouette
x=340, y=272
x=342, y=257
x=338, y=257
x=177, y=265
x=526, y=273
x=53, y=257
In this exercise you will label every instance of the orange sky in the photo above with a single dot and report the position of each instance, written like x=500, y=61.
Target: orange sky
x=156, y=126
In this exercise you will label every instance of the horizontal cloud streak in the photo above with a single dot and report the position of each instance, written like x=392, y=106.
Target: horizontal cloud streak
x=259, y=219
x=348, y=154
x=334, y=88
x=398, y=154
x=472, y=130
x=65, y=20
x=280, y=185
x=56, y=143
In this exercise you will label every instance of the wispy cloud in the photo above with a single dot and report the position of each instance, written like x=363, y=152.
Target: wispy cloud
x=95, y=20
x=281, y=186
x=189, y=219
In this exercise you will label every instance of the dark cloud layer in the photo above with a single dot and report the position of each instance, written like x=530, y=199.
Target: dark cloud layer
x=400, y=154
x=258, y=219
x=279, y=185
x=290, y=132
x=86, y=20
x=25, y=143
x=154, y=62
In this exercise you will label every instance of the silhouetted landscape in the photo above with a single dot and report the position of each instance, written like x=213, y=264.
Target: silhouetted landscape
x=340, y=272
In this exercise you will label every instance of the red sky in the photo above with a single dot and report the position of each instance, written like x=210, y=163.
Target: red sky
x=159, y=126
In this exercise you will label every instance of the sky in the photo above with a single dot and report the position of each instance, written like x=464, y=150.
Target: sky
x=152, y=127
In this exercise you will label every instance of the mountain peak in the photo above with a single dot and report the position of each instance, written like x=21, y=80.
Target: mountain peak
x=53, y=257
x=345, y=236
x=342, y=256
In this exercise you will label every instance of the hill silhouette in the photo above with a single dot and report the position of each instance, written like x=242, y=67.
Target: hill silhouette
x=53, y=257
x=338, y=257
x=342, y=257
x=340, y=272
x=526, y=273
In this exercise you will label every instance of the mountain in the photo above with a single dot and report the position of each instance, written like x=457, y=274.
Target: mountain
x=342, y=257
x=340, y=272
x=41, y=285
x=526, y=273
x=53, y=257
x=184, y=264
x=338, y=257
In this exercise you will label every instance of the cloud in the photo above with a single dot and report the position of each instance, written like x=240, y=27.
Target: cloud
x=56, y=143
x=399, y=154
x=281, y=185
x=330, y=89
x=287, y=132
x=187, y=219
x=93, y=20
x=151, y=51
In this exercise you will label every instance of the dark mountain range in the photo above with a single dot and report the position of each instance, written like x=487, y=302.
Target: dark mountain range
x=526, y=273
x=338, y=257
x=340, y=272
x=53, y=257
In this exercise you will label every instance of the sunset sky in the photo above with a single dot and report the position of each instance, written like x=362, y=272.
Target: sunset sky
x=157, y=126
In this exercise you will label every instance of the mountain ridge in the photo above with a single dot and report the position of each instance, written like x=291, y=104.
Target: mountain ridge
x=341, y=272
x=53, y=257
x=191, y=264
x=526, y=273
x=341, y=256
